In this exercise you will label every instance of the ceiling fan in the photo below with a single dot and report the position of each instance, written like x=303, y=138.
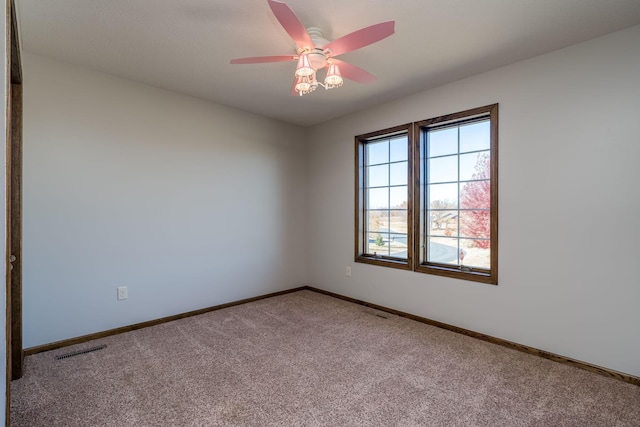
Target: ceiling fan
x=314, y=52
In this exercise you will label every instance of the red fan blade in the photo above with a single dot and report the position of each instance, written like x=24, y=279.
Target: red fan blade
x=261, y=59
x=361, y=38
x=291, y=24
x=354, y=73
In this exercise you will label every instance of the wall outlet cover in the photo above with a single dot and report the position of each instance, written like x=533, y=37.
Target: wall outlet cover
x=122, y=293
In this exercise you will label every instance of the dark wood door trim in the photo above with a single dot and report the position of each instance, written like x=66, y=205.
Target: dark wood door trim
x=15, y=255
x=13, y=248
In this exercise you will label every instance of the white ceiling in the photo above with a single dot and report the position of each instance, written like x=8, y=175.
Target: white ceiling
x=186, y=45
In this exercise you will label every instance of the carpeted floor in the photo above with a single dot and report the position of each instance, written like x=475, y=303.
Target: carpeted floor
x=307, y=359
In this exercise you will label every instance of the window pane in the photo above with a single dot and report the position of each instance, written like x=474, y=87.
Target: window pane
x=399, y=149
x=443, y=223
x=378, y=221
x=377, y=152
x=399, y=240
x=475, y=224
x=398, y=173
x=477, y=253
x=475, y=166
x=378, y=243
x=442, y=196
x=398, y=221
x=398, y=197
x=398, y=245
x=475, y=195
x=443, y=250
x=475, y=136
x=386, y=187
x=443, y=169
x=442, y=142
x=378, y=176
x=378, y=198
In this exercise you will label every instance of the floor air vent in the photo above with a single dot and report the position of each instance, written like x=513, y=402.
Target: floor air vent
x=79, y=352
x=382, y=315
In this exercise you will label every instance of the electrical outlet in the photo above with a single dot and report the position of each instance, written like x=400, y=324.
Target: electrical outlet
x=122, y=293
x=347, y=271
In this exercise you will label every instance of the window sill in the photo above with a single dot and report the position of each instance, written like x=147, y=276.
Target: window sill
x=402, y=264
x=457, y=273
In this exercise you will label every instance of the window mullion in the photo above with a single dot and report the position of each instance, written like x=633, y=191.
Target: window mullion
x=458, y=202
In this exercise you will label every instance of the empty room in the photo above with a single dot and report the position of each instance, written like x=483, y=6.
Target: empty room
x=294, y=213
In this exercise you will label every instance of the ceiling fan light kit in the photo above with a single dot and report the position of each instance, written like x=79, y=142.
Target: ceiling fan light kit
x=306, y=81
x=314, y=52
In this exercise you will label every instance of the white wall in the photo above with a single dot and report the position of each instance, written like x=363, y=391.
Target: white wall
x=187, y=203
x=569, y=204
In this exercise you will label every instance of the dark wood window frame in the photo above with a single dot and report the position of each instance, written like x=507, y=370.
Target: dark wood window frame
x=489, y=275
x=416, y=250
x=360, y=233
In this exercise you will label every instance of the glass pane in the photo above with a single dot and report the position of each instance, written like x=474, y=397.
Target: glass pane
x=443, y=250
x=442, y=196
x=443, y=169
x=398, y=245
x=398, y=221
x=399, y=149
x=378, y=176
x=398, y=253
x=378, y=198
x=377, y=152
x=475, y=136
x=378, y=243
x=398, y=173
x=443, y=223
x=378, y=221
x=398, y=240
x=477, y=253
x=399, y=197
x=475, y=195
x=475, y=224
x=370, y=244
x=442, y=142
x=475, y=166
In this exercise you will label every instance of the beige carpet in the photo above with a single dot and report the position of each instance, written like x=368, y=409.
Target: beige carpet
x=306, y=359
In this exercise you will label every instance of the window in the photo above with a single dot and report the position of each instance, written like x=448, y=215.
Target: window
x=448, y=224
x=456, y=158
x=384, y=186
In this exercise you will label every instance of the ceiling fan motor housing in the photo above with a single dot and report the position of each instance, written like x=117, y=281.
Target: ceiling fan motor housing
x=317, y=57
